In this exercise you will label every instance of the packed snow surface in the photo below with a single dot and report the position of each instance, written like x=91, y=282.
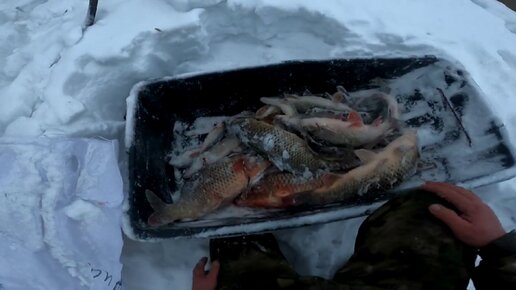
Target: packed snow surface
x=58, y=79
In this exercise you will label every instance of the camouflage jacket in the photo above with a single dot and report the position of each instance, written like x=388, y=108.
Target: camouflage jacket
x=497, y=270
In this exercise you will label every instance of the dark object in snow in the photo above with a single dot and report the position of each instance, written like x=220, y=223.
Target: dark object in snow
x=409, y=253
x=92, y=11
x=462, y=141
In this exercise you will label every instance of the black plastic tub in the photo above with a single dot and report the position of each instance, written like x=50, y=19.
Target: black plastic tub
x=461, y=140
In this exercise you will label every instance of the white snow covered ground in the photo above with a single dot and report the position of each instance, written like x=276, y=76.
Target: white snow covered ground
x=57, y=79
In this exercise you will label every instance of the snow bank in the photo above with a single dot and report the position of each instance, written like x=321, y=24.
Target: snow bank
x=56, y=79
x=61, y=212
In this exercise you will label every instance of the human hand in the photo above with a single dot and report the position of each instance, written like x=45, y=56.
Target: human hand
x=203, y=280
x=477, y=226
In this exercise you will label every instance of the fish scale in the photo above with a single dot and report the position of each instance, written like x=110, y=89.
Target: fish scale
x=218, y=183
x=385, y=170
x=273, y=142
x=218, y=178
x=269, y=191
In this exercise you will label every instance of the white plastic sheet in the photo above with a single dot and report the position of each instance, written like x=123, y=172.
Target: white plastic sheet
x=60, y=210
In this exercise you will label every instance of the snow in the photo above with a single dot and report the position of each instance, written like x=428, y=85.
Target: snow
x=59, y=227
x=82, y=210
x=58, y=80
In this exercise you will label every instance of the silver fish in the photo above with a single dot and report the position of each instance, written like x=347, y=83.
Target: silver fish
x=287, y=108
x=340, y=115
x=304, y=103
x=352, y=132
x=267, y=111
x=378, y=104
x=381, y=171
x=291, y=105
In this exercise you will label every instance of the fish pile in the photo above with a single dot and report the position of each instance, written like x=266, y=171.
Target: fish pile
x=296, y=150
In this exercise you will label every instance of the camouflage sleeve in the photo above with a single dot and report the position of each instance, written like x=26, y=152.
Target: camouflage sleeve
x=497, y=270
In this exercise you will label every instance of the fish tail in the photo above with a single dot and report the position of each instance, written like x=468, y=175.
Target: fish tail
x=155, y=202
x=157, y=218
x=165, y=216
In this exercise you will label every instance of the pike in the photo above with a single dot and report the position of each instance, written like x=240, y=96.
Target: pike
x=292, y=104
x=352, y=132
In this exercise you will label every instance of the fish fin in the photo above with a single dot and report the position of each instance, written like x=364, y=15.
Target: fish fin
x=403, y=149
x=423, y=165
x=164, y=217
x=267, y=111
x=262, y=111
x=329, y=178
x=328, y=96
x=283, y=191
x=307, y=92
x=285, y=106
x=239, y=165
x=256, y=170
x=378, y=121
x=355, y=119
x=155, y=202
x=365, y=155
x=195, y=153
x=155, y=220
x=342, y=90
x=290, y=96
x=337, y=98
x=213, y=137
x=344, y=94
x=196, y=166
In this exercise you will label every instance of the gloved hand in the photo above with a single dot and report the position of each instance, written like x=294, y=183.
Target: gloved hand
x=476, y=226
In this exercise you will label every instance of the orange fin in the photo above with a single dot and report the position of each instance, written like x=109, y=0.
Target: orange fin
x=283, y=190
x=154, y=220
x=378, y=121
x=355, y=119
x=239, y=165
